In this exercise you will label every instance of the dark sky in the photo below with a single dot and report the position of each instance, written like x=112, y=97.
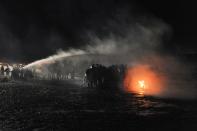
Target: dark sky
x=31, y=29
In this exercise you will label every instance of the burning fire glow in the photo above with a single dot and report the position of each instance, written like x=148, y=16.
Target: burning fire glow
x=141, y=84
x=143, y=80
x=142, y=87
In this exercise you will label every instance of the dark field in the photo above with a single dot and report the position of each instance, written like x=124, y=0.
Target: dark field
x=42, y=105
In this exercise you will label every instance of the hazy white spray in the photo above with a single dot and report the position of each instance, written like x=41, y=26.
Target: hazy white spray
x=140, y=41
x=52, y=59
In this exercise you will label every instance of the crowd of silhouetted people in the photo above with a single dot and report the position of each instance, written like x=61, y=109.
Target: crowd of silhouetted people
x=8, y=72
x=18, y=73
x=96, y=75
x=5, y=70
x=101, y=76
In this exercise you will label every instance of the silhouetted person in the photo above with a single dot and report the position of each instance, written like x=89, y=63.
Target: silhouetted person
x=16, y=73
x=95, y=75
x=7, y=71
x=2, y=70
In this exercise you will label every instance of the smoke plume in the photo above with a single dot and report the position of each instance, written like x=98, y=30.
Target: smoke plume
x=138, y=40
x=132, y=42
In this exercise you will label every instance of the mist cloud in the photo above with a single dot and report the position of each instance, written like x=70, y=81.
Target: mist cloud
x=137, y=41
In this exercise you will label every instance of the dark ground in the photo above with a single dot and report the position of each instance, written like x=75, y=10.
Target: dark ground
x=42, y=105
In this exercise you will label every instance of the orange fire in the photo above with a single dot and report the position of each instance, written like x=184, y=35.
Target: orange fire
x=141, y=84
x=143, y=80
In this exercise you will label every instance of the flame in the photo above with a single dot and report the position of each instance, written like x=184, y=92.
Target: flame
x=142, y=87
x=141, y=84
x=142, y=79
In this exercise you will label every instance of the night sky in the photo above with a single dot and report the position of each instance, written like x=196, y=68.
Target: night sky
x=31, y=29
